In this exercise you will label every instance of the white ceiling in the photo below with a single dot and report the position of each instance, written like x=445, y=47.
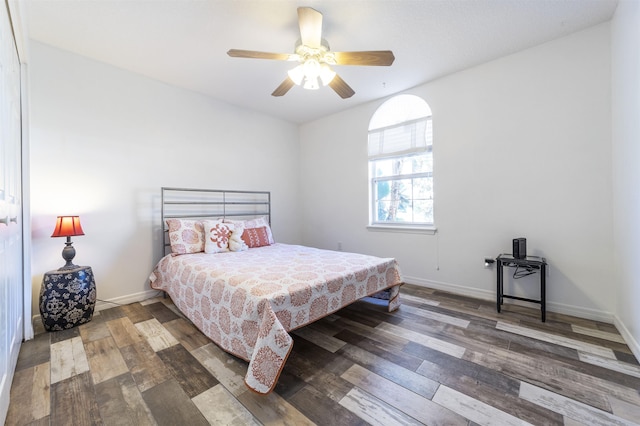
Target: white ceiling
x=184, y=42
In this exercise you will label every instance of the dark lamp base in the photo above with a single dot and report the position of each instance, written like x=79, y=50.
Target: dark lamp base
x=68, y=253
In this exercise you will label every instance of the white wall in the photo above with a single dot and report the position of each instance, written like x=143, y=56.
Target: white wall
x=103, y=142
x=626, y=170
x=522, y=148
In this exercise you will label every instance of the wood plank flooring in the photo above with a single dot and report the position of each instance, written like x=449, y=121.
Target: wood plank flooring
x=441, y=359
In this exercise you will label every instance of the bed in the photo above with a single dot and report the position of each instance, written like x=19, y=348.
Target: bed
x=245, y=291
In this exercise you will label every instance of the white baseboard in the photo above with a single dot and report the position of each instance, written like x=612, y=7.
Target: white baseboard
x=576, y=311
x=125, y=300
x=628, y=337
x=36, y=320
x=453, y=288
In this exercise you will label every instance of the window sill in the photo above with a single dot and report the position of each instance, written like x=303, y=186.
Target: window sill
x=429, y=230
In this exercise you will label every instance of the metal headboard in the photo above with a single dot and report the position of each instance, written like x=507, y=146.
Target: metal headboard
x=190, y=203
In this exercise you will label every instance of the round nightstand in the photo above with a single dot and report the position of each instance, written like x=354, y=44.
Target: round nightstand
x=67, y=298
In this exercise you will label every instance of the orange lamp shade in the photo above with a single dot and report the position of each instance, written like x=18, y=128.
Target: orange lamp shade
x=67, y=226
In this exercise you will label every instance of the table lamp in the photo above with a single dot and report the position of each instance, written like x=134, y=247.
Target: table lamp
x=68, y=226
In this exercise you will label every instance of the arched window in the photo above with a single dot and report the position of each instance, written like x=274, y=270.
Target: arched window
x=401, y=164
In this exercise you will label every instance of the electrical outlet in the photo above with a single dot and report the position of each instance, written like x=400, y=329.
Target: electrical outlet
x=339, y=245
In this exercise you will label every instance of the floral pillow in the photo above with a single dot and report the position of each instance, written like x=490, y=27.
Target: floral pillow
x=256, y=237
x=185, y=236
x=216, y=235
x=258, y=222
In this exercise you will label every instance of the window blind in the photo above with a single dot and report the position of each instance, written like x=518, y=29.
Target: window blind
x=405, y=138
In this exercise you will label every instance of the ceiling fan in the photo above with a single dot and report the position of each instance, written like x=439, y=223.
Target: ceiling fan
x=315, y=59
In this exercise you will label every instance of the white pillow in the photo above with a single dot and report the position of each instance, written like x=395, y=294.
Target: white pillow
x=217, y=235
x=236, y=243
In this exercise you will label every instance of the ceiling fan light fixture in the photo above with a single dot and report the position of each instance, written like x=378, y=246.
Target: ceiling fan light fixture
x=297, y=74
x=311, y=69
x=311, y=84
x=309, y=72
x=326, y=74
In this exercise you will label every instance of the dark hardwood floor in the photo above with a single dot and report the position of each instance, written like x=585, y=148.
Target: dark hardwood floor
x=440, y=359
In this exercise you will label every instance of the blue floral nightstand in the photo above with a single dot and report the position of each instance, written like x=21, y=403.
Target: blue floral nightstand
x=67, y=298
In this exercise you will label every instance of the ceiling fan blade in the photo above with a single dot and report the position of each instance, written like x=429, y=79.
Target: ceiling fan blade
x=284, y=87
x=372, y=57
x=236, y=53
x=341, y=87
x=310, y=22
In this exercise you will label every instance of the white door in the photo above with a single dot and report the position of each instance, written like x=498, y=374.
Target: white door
x=11, y=256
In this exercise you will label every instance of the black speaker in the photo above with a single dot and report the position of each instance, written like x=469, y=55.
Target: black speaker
x=519, y=248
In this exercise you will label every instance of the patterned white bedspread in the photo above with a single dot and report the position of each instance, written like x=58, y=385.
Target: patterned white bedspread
x=247, y=301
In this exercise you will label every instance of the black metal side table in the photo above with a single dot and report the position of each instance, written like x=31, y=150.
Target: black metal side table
x=527, y=266
x=67, y=298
